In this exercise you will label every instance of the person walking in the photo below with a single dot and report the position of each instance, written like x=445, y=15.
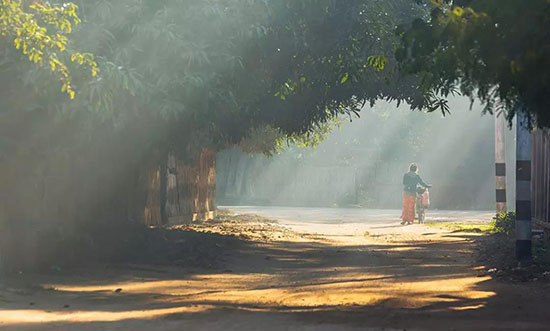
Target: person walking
x=411, y=180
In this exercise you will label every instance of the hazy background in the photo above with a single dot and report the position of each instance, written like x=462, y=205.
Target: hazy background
x=362, y=163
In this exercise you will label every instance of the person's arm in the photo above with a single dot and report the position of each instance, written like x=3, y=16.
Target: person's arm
x=404, y=177
x=422, y=182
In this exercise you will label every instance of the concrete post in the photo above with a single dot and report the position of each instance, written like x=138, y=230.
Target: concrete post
x=523, y=189
x=500, y=162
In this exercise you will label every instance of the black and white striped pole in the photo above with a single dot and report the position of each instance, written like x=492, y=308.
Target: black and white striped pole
x=500, y=162
x=523, y=189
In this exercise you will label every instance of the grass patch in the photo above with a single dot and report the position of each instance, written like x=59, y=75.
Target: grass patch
x=503, y=223
x=463, y=227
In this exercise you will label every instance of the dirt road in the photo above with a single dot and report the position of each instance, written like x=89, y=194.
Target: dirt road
x=304, y=270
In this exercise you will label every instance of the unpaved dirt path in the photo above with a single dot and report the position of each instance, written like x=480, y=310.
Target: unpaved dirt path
x=292, y=273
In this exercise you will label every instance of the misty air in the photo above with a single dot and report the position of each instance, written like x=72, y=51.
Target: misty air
x=274, y=165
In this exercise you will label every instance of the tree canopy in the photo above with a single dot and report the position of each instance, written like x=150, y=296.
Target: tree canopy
x=216, y=70
x=497, y=51
x=181, y=75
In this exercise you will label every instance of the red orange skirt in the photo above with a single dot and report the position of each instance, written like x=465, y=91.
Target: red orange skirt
x=409, y=203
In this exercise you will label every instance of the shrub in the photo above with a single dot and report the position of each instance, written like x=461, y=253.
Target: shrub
x=504, y=223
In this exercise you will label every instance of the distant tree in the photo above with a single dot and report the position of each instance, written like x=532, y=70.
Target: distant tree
x=269, y=141
x=497, y=51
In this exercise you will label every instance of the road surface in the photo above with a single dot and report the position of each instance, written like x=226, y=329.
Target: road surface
x=350, y=224
x=356, y=215
x=307, y=269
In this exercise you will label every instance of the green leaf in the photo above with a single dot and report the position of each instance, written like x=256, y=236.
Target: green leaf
x=344, y=79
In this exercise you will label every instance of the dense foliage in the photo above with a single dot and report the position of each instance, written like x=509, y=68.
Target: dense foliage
x=178, y=76
x=497, y=51
x=218, y=70
x=40, y=31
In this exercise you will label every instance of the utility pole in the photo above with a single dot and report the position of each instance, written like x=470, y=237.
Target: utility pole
x=500, y=162
x=523, y=189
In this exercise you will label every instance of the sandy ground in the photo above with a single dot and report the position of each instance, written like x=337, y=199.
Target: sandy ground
x=306, y=269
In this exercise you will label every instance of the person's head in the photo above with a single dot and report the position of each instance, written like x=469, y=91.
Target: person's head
x=413, y=167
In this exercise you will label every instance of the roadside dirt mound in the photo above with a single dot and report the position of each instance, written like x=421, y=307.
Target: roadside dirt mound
x=196, y=244
x=247, y=227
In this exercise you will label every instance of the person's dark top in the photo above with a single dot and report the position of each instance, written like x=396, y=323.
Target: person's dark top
x=410, y=181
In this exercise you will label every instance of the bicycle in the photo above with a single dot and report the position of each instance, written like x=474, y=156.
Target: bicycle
x=422, y=203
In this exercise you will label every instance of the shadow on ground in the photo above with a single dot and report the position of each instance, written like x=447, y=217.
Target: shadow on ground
x=278, y=285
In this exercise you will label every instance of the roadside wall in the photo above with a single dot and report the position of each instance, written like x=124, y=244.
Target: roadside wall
x=188, y=194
